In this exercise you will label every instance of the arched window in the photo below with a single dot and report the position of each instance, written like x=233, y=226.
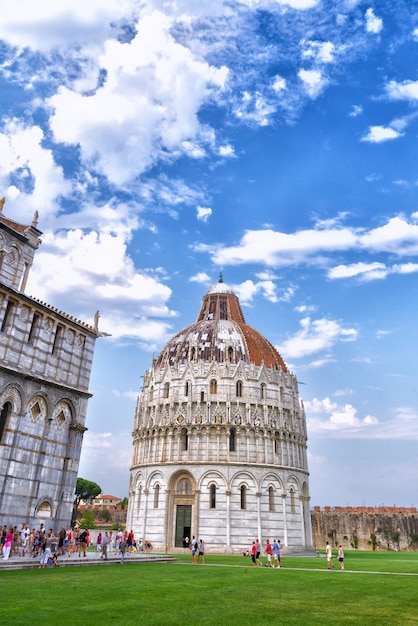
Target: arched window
x=271, y=499
x=187, y=388
x=202, y=396
x=192, y=354
x=263, y=391
x=276, y=443
x=156, y=495
x=4, y=415
x=230, y=354
x=151, y=394
x=281, y=395
x=243, y=490
x=213, y=386
x=43, y=509
x=59, y=332
x=232, y=434
x=213, y=496
x=166, y=390
x=7, y=316
x=239, y=389
x=292, y=500
x=36, y=320
x=138, y=498
x=184, y=439
x=184, y=486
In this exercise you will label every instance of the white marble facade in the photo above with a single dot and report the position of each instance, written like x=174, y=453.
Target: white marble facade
x=219, y=440
x=45, y=362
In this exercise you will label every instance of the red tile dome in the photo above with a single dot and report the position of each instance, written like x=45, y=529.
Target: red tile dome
x=220, y=334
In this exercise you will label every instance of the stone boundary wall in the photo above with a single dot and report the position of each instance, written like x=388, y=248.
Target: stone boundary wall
x=365, y=528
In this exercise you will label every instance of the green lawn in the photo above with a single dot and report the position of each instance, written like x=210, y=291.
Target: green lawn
x=376, y=588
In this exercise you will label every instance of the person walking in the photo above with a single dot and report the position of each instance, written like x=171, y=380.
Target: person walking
x=253, y=553
x=7, y=546
x=49, y=540
x=201, y=553
x=257, y=553
x=105, y=543
x=276, y=553
x=341, y=557
x=328, y=553
x=269, y=552
x=82, y=546
x=194, y=549
x=61, y=539
x=122, y=550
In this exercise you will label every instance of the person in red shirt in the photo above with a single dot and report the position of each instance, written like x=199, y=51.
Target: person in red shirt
x=130, y=541
x=269, y=552
x=253, y=553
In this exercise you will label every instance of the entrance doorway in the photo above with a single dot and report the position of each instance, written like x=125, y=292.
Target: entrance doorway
x=183, y=523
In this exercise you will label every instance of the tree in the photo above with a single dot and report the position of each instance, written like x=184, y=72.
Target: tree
x=87, y=521
x=84, y=490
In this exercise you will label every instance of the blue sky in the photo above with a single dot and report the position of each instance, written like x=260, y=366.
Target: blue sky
x=163, y=142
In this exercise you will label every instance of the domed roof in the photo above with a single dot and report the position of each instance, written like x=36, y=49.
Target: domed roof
x=220, y=334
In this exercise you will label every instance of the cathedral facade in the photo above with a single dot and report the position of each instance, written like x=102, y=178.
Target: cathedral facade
x=219, y=439
x=45, y=363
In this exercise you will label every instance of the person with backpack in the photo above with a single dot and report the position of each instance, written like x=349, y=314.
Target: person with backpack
x=201, y=553
x=82, y=546
x=194, y=549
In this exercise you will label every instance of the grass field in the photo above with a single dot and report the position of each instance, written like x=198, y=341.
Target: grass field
x=376, y=588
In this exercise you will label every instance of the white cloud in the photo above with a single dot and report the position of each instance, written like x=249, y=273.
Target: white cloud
x=313, y=82
x=317, y=363
x=139, y=115
x=320, y=51
x=203, y=213
x=367, y=271
x=277, y=249
x=377, y=134
x=406, y=90
x=226, y=151
x=247, y=291
x=201, y=277
x=356, y=111
x=279, y=83
x=254, y=107
x=343, y=392
x=294, y=4
x=98, y=269
x=373, y=24
x=397, y=236
x=315, y=336
x=280, y=249
x=341, y=418
x=371, y=271
x=382, y=333
x=330, y=419
x=47, y=24
x=304, y=308
x=405, y=268
x=28, y=173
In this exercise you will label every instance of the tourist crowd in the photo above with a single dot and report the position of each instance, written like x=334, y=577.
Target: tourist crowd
x=47, y=546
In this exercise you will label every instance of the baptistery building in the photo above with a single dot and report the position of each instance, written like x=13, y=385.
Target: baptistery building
x=219, y=439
